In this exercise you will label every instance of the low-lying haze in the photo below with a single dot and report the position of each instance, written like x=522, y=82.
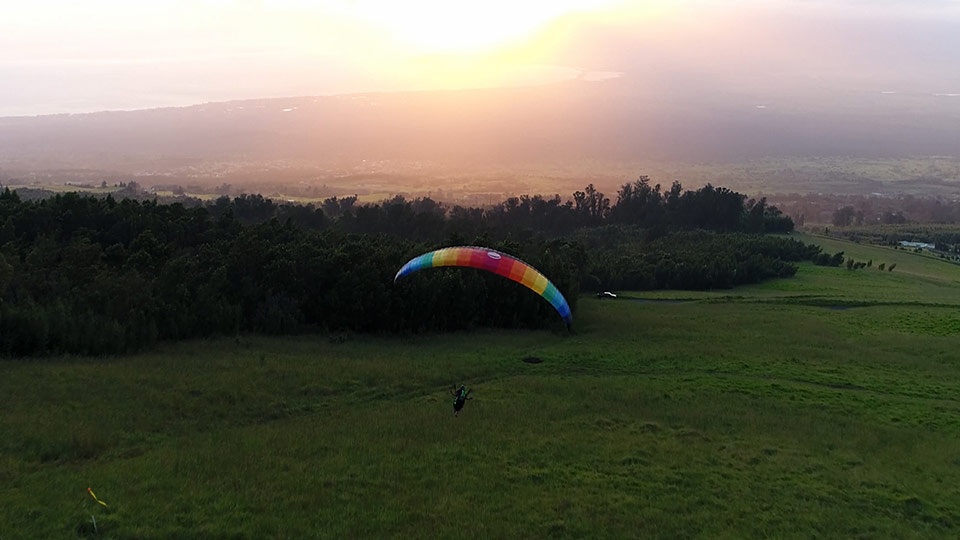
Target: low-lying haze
x=58, y=56
x=498, y=85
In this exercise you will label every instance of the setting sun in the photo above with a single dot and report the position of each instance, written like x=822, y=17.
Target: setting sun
x=59, y=56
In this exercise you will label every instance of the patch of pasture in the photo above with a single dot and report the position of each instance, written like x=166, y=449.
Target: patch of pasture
x=748, y=413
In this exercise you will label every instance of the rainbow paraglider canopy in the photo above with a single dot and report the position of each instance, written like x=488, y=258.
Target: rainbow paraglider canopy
x=492, y=261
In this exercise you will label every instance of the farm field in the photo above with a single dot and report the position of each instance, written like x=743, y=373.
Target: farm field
x=824, y=405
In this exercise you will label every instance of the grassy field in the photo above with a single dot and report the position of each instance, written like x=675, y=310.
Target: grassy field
x=821, y=406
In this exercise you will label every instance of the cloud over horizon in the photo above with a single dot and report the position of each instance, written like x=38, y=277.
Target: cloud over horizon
x=66, y=57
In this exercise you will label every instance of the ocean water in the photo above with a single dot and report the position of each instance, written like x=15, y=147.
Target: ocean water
x=70, y=86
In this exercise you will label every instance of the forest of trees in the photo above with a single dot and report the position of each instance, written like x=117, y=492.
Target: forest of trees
x=92, y=275
x=839, y=210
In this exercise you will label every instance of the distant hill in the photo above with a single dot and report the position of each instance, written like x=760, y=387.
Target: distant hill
x=484, y=144
x=612, y=120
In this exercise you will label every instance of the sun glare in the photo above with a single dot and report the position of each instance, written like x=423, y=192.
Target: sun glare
x=454, y=27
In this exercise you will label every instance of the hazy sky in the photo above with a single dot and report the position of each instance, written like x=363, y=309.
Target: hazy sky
x=78, y=56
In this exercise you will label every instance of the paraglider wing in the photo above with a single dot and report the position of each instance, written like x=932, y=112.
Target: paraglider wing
x=492, y=261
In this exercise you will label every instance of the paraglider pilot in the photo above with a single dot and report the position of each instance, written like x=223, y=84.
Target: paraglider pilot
x=460, y=397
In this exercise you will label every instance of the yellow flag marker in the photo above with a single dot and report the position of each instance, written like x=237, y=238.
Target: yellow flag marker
x=90, y=491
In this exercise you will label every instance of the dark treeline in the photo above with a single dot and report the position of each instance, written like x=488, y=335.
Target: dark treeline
x=839, y=210
x=89, y=275
x=637, y=204
x=690, y=260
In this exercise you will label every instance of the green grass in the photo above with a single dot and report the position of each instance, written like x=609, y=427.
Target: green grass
x=917, y=279
x=757, y=412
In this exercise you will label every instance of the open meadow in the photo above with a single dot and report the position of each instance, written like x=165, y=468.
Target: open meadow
x=826, y=405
